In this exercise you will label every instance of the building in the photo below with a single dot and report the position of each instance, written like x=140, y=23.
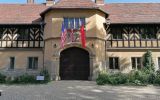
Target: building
x=117, y=36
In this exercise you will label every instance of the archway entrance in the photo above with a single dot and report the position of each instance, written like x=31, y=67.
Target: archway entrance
x=74, y=64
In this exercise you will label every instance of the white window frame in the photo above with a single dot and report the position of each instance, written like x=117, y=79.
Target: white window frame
x=114, y=66
x=136, y=64
x=36, y=67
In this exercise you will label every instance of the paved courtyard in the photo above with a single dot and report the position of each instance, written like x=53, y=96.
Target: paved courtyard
x=78, y=90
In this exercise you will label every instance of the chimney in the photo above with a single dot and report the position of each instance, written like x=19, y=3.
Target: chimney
x=30, y=1
x=99, y=2
x=50, y=2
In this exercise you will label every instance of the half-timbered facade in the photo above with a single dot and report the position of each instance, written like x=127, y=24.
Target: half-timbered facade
x=117, y=36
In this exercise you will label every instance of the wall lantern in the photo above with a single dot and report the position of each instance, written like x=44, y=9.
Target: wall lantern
x=92, y=45
x=55, y=46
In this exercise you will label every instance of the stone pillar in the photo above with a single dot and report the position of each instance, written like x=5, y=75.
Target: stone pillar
x=55, y=68
x=91, y=67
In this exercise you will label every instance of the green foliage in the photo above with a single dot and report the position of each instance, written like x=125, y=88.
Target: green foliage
x=113, y=79
x=141, y=76
x=137, y=78
x=157, y=78
x=118, y=78
x=151, y=78
x=103, y=78
x=148, y=61
x=134, y=78
x=2, y=78
x=25, y=79
x=46, y=75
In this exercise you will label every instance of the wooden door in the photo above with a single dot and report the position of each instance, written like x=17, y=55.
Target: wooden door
x=74, y=64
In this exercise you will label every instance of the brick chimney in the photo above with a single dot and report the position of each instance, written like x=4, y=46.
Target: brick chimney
x=99, y=2
x=30, y=1
x=50, y=2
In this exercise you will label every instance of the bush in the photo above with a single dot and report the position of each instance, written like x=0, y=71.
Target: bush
x=2, y=78
x=134, y=78
x=118, y=78
x=102, y=79
x=141, y=76
x=46, y=75
x=148, y=61
x=113, y=79
x=157, y=80
x=25, y=79
x=151, y=78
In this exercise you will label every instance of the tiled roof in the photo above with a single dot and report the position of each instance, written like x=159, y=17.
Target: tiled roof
x=131, y=13
x=134, y=12
x=20, y=13
x=75, y=4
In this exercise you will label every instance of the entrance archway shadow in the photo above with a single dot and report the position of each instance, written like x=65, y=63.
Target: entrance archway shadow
x=74, y=64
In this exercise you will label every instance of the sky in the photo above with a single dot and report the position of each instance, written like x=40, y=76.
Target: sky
x=107, y=1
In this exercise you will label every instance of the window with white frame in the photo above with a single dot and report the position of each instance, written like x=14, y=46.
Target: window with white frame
x=113, y=62
x=33, y=63
x=12, y=63
x=159, y=62
x=136, y=63
x=73, y=23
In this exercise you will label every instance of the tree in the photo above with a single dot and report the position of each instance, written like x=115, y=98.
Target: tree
x=148, y=61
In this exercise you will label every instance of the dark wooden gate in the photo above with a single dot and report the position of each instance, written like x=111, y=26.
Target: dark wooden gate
x=74, y=64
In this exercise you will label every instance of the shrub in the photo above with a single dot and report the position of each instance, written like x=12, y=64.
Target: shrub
x=2, y=78
x=151, y=78
x=157, y=80
x=25, y=79
x=137, y=82
x=46, y=75
x=148, y=61
x=137, y=78
x=134, y=78
x=158, y=72
x=141, y=76
x=102, y=79
x=118, y=78
x=113, y=79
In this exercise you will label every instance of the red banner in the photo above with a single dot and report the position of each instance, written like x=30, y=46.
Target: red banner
x=83, y=36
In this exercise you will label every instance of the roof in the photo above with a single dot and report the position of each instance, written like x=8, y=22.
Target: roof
x=75, y=4
x=126, y=13
x=20, y=13
x=133, y=13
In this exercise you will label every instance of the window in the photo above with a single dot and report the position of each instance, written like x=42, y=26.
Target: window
x=23, y=34
x=116, y=33
x=159, y=62
x=114, y=63
x=33, y=63
x=148, y=33
x=12, y=62
x=73, y=23
x=1, y=32
x=136, y=63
